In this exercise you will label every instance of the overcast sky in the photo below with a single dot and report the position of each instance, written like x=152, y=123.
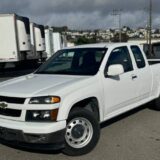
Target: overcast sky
x=83, y=14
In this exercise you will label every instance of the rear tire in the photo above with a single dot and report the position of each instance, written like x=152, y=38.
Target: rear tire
x=82, y=133
x=156, y=104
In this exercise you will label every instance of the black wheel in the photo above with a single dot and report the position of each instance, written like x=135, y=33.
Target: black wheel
x=2, y=66
x=82, y=133
x=156, y=104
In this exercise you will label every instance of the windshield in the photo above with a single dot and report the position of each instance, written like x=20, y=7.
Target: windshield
x=84, y=61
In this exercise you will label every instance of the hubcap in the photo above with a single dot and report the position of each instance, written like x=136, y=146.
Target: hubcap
x=79, y=132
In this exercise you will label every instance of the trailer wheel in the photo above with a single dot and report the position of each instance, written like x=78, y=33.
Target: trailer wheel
x=82, y=133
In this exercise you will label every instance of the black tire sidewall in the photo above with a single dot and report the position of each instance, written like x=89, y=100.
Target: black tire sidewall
x=156, y=104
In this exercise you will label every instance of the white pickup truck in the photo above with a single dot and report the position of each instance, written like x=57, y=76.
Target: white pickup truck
x=62, y=104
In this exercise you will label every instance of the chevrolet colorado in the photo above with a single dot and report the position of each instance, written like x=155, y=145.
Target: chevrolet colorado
x=61, y=105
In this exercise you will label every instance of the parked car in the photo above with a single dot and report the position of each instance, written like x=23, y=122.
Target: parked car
x=63, y=103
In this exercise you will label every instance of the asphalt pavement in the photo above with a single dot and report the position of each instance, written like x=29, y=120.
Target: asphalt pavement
x=132, y=136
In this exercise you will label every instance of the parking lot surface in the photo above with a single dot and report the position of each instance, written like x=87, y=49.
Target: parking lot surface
x=132, y=136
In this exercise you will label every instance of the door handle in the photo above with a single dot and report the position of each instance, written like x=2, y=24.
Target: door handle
x=134, y=77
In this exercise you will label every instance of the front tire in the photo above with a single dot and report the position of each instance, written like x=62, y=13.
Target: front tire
x=82, y=132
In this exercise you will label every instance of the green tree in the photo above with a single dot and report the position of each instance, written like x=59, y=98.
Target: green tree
x=124, y=37
x=84, y=40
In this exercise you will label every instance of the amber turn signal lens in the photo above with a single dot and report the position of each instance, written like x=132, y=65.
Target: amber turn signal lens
x=54, y=114
x=55, y=100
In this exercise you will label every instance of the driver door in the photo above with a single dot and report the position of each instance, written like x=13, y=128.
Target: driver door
x=120, y=91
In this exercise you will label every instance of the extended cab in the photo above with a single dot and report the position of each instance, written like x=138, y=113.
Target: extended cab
x=62, y=104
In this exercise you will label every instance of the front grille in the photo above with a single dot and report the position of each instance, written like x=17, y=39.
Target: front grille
x=10, y=112
x=12, y=100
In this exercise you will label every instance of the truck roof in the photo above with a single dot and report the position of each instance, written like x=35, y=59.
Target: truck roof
x=102, y=45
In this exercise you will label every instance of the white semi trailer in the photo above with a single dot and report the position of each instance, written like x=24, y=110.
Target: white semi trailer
x=37, y=41
x=14, y=39
x=54, y=41
x=49, y=42
x=57, y=41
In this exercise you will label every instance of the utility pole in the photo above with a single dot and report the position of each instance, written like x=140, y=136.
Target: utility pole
x=150, y=27
x=147, y=26
x=118, y=13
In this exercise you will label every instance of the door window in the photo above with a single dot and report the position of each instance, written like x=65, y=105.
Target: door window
x=120, y=56
x=138, y=56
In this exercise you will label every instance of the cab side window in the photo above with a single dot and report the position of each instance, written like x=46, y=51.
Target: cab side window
x=120, y=56
x=138, y=56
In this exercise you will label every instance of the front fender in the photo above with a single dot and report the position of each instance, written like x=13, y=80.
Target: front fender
x=81, y=94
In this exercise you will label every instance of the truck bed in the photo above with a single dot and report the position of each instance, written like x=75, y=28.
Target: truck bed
x=153, y=61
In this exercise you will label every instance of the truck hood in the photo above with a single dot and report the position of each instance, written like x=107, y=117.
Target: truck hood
x=37, y=85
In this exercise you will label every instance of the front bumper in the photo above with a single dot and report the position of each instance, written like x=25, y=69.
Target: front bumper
x=33, y=127
x=33, y=135
x=51, y=141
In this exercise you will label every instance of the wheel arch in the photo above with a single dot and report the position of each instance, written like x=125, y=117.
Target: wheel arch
x=91, y=104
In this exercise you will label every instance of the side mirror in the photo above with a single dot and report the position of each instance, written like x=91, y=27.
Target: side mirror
x=115, y=70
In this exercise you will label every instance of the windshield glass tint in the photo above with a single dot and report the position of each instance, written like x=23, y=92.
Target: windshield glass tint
x=74, y=62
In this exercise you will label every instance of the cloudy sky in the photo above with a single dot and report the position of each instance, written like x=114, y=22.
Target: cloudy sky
x=83, y=14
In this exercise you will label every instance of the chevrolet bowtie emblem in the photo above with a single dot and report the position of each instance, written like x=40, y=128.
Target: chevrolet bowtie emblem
x=3, y=105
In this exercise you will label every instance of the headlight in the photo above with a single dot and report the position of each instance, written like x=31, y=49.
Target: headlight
x=42, y=116
x=45, y=100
